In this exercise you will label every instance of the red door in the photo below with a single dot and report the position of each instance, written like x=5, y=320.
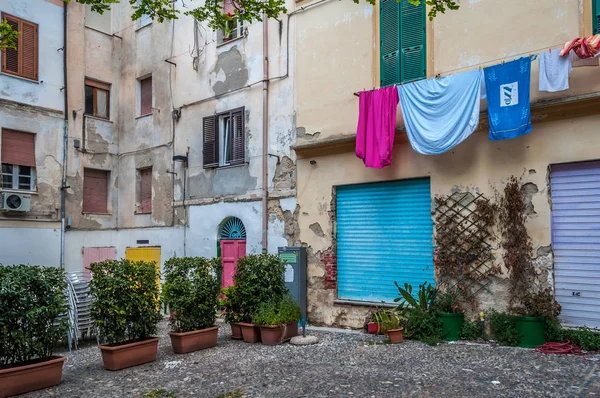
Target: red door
x=231, y=252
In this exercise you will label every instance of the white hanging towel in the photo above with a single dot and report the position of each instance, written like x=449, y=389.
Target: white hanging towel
x=441, y=113
x=554, y=71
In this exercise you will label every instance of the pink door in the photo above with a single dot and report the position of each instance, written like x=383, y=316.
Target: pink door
x=231, y=252
x=94, y=255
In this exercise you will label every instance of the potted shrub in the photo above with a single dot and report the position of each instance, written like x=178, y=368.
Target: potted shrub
x=278, y=320
x=390, y=322
x=126, y=308
x=451, y=316
x=419, y=312
x=191, y=290
x=374, y=325
x=531, y=315
x=32, y=300
x=232, y=311
x=258, y=279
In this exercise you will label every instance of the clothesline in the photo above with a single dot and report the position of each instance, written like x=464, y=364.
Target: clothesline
x=487, y=63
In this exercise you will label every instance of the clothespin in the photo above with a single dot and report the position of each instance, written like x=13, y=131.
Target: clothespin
x=502, y=62
x=549, y=50
x=413, y=82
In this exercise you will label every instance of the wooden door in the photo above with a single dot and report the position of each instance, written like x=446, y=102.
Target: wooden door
x=231, y=252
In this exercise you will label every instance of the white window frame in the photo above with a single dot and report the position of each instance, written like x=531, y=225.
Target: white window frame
x=236, y=33
x=144, y=20
x=15, y=179
x=224, y=126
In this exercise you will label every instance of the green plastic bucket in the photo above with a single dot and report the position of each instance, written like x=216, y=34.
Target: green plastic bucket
x=451, y=325
x=531, y=331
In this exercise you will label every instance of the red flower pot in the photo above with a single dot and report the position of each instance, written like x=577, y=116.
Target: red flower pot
x=35, y=376
x=183, y=343
x=277, y=334
x=236, y=330
x=117, y=357
x=250, y=332
x=396, y=335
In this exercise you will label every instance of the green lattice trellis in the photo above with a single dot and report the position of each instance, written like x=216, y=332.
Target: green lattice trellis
x=464, y=258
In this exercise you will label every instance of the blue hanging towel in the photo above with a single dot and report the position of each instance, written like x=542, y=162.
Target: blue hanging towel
x=507, y=89
x=441, y=113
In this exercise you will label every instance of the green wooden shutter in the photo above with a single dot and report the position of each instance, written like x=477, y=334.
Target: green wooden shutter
x=596, y=16
x=412, y=42
x=389, y=13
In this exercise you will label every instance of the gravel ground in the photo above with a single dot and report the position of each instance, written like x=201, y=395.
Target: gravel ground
x=341, y=365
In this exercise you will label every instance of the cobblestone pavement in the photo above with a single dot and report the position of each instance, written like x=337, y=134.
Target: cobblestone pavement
x=341, y=365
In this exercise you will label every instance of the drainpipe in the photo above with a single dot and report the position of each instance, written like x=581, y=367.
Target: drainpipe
x=63, y=188
x=265, y=145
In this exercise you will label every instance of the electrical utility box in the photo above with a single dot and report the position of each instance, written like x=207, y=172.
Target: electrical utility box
x=295, y=274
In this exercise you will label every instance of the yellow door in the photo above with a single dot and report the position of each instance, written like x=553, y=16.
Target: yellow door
x=150, y=254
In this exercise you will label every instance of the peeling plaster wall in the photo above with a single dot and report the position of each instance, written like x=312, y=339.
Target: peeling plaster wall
x=476, y=165
x=342, y=39
x=36, y=107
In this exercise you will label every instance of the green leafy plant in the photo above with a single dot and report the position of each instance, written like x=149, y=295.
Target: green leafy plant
x=32, y=299
x=586, y=338
x=502, y=326
x=423, y=326
x=125, y=300
x=389, y=320
x=424, y=300
x=191, y=291
x=258, y=280
x=553, y=330
x=231, y=304
x=470, y=331
x=447, y=302
x=8, y=36
x=277, y=312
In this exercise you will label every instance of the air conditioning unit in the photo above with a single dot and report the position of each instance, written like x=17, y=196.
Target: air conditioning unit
x=15, y=202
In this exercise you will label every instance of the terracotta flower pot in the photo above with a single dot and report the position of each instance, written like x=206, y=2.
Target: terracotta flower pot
x=396, y=335
x=250, y=332
x=22, y=379
x=117, y=357
x=277, y=334
x=236, y=330
x=183, y=343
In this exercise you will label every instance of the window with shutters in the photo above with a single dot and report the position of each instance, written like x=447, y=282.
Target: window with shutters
x=596, y=16
x=145, y=90
x=95, y=191
x=145, y=190
x=17, y=156
x=97, y=99
x=402, y=42
x=224, y=139
x=22, y=61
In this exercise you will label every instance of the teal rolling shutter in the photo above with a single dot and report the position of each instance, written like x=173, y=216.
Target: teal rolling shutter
x=402, y=42
x=412, y=42
x=384, y=234
x=596, y=16
x=389, y=42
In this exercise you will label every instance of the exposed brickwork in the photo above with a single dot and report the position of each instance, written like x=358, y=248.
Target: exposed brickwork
x=329, y=256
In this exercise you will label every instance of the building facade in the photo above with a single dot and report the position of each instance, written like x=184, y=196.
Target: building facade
x=32, y=131
x=366, y=228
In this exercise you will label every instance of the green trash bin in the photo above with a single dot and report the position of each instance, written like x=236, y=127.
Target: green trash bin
x=531, y=331
x=451, y=325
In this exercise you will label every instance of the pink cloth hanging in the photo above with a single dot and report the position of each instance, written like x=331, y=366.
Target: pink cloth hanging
x=377, y=126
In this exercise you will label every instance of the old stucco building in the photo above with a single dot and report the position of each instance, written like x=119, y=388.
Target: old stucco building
x=32, y=128
x=179, y=138
x=335, y=199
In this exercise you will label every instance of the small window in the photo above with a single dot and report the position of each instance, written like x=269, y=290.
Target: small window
x=144, y=20
x=95, y=191
x=235, y=26
x=97, y=99
x=97, y=21
x=145, y=189
x=145, y=89
x=18, y=160
x=224, y=139
x=22, y=61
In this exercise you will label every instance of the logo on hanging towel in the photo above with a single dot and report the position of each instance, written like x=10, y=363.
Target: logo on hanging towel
x=509, y=94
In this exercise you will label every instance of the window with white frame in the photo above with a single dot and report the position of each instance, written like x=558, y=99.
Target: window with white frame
x=18, y=160
x=144, y=20
x=234, y=27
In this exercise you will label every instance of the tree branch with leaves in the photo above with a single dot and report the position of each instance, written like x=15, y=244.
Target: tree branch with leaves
x=211, y=12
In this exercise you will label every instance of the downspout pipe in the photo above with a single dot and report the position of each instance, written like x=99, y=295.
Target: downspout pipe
x=63, y=188
x=265, y=143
